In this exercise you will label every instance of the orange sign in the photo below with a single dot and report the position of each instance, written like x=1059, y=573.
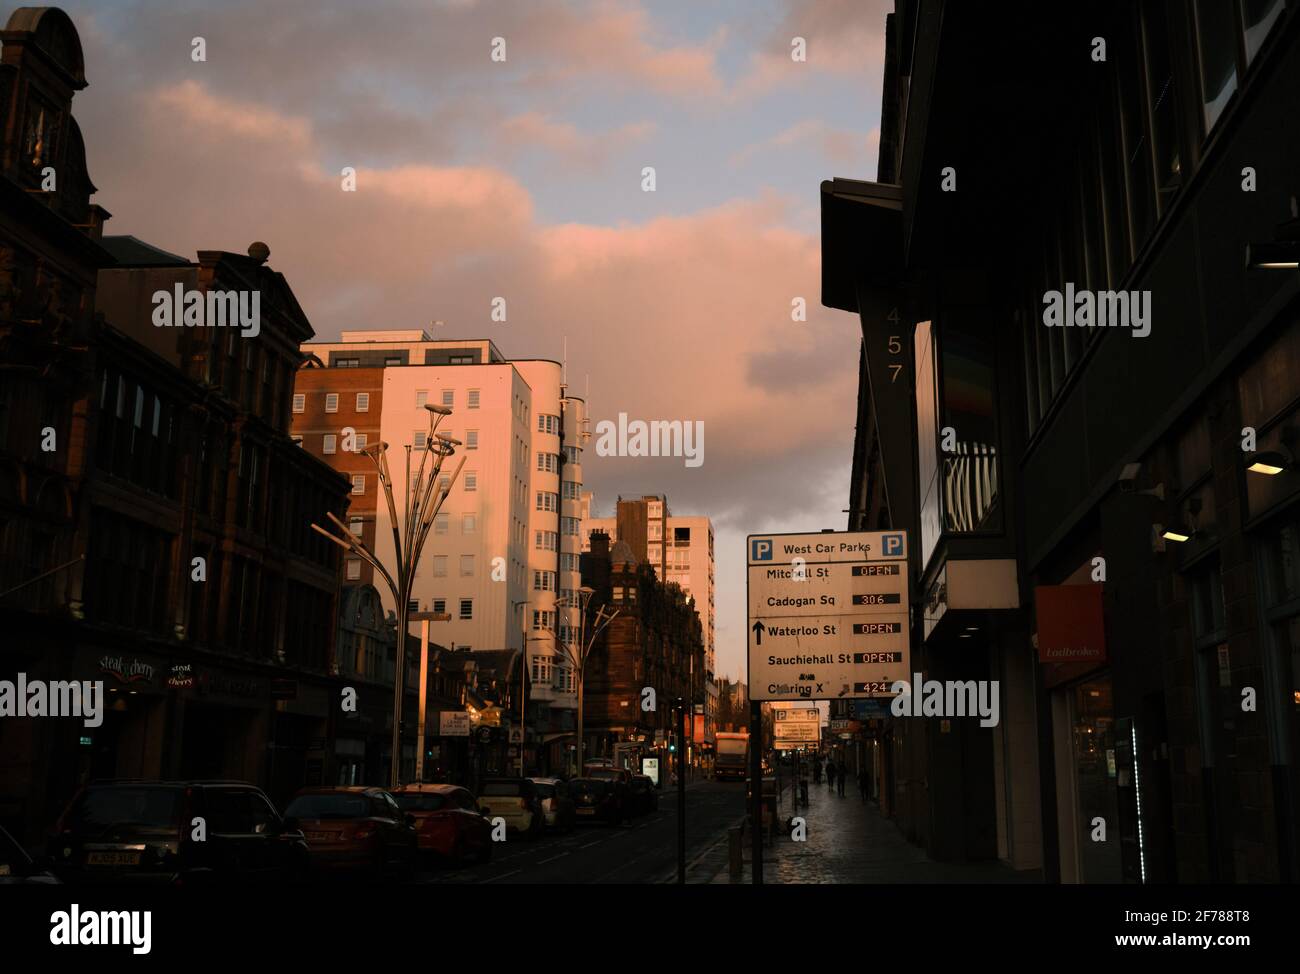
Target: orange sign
x=1071, y=624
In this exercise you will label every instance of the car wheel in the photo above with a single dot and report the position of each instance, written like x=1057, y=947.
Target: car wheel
x=484, y=854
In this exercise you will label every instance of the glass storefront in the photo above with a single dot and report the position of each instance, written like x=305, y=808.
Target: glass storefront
x=1097, y=778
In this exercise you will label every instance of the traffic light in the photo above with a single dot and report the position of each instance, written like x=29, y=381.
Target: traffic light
x=672, y=745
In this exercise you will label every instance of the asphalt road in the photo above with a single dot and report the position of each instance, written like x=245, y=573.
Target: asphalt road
x=642, y=850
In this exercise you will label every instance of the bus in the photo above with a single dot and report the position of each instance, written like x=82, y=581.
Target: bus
x=732, y=759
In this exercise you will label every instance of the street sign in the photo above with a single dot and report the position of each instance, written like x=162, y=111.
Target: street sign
x=453, y=723
x=808, y=715
x=797, y=732
x=650, y=768
x=829, y=615
x=516, y=735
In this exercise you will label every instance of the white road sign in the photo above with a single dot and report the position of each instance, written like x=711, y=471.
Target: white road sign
x=828, y=615
x=809, y=715
x=797, y=731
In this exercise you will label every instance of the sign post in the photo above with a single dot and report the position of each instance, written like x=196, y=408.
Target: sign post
x=828, y=615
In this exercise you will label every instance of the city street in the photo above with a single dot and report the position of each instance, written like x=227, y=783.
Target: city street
x=642, y=850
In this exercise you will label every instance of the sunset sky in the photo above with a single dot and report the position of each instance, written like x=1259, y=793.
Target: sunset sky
x=522, y=179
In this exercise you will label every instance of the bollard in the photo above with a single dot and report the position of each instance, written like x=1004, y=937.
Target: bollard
x=736, y=850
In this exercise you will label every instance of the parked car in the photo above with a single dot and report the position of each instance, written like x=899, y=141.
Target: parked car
x=644, y=794
x=557, y=805
x=146, y=831
x=620, y=778
x=356, y=828
x=447, y=820
x=18, y=869
x=596, y=800
x=515, y=800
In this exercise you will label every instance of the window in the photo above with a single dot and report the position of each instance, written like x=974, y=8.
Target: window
x=467, y=608
x=682, y=535
x=392, y=360
x=543, y=581
x=331, y=402
x=363, y=402
x=655, y=530
x=569, y=562
x=439, y=605
x=546, y=540
x=471, y=439
x=439, y=566
x=360, y=441
x=346, y=363
x=359, y=483
x=469, y=523
x=330, y=443
x=543, y=619
x=571, y=491
x=419, y=439
x=354, y=569
x=466, y=566
x=548, y=424
x=355, y=526
x=440, y=523
x=471, y=480
x=655, y=509
x=572, y=454
x=473, y=399
x=460, y=360
x=297, y=438
x=548, y=462
x=413, y=605
x=449, y=397
x=421, y=397
x=569, y=525
x=547, y=501
x=299, y=402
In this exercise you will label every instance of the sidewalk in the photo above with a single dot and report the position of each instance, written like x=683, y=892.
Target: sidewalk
x=848, y=842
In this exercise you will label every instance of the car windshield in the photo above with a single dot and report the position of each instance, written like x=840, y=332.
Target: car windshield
x=337, y=805
x=140, y=806
x=422, y=802
x=546, y=791
x=608, y=774
x=502, y=788
x=587, y=786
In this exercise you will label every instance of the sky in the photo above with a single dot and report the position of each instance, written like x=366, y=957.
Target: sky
x=523, y=179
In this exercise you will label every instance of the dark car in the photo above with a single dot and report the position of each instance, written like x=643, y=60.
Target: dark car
x=557, y=805
x=596, y=800
x=17, y=867
x=180, y=832
x=644, y=794
x=447, y=820
x=356, y=829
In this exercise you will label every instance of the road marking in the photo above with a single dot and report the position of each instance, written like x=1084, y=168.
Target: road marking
x=590, y=844
x=543, y=862
x=502, y=876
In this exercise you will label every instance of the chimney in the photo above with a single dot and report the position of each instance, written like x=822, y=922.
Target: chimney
x=599, y=544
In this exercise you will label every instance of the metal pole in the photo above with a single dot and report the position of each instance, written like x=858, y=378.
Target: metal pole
x=681, y=792
x=424, y=687
x=523, y=703
x=395, y=764
x=756, y=787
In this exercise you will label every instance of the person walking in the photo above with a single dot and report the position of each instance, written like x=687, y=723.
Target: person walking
x=841, y=772
x=830, y=773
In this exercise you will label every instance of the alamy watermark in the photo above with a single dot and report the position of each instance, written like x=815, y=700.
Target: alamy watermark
x=1098, y=309
x=947, y=698
x=54, y=698
x=179, y=308
x=656, y=438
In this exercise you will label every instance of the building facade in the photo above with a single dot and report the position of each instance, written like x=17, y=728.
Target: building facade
x=502, y=559
x=1102, y=512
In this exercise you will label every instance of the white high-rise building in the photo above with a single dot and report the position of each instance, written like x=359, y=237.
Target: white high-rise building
x=504, y=548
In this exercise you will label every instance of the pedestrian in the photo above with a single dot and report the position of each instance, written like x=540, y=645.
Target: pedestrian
x=830, y=772
x=841, y=771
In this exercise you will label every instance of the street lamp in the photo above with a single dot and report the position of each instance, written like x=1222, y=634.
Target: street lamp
x=576, y=653
x=421, y=506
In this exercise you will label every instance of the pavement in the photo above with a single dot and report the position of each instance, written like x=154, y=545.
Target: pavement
x=847, y=841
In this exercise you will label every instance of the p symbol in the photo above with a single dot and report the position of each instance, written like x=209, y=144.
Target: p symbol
x=760, y=549
x=893, y=545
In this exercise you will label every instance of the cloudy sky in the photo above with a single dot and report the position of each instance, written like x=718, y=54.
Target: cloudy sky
x=523, y=179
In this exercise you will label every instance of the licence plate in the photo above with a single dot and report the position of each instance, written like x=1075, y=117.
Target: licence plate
x=586, y=811
x=113, y=859
x=321, y=836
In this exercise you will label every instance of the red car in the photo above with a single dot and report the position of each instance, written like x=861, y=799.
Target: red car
x=355, y=828
x=447, y=820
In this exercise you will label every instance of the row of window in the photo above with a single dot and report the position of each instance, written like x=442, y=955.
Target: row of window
x=1134, y=155
x=420, y=438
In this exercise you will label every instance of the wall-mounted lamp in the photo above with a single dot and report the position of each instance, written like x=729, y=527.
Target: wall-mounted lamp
x=1273, y=462
x=1280, y=253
